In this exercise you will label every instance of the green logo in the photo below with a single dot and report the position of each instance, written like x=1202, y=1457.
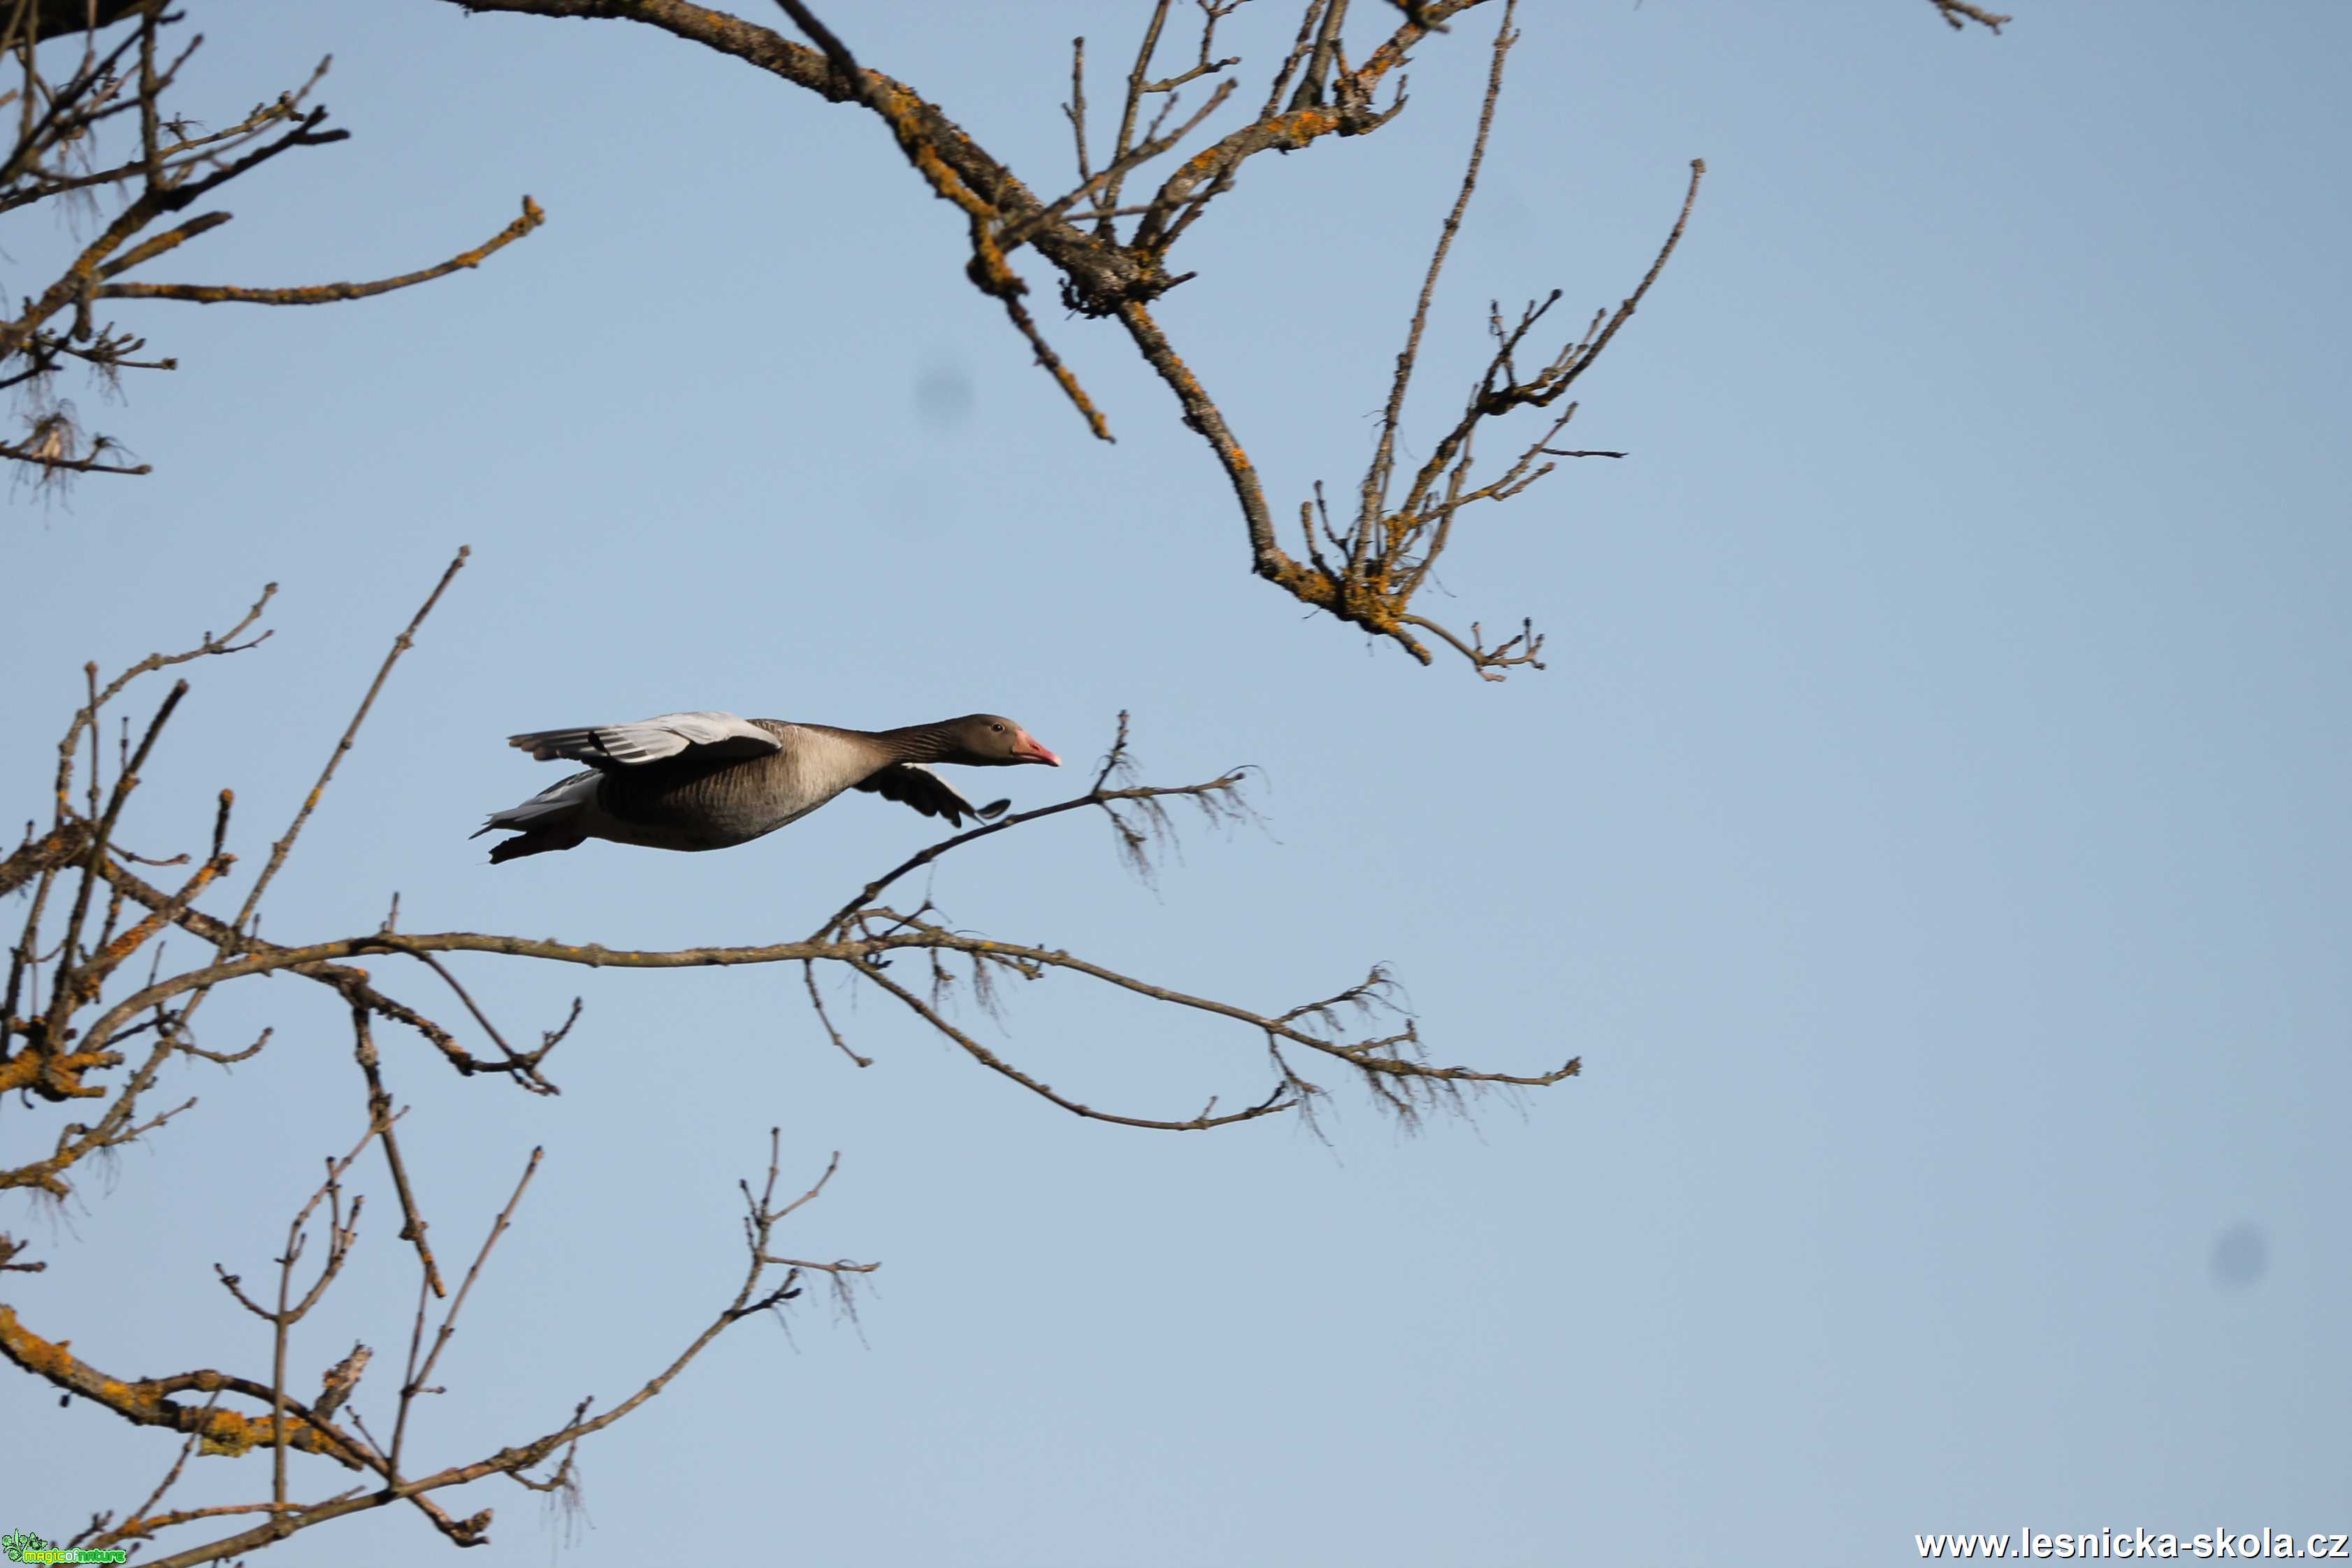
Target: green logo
x=31, y=1548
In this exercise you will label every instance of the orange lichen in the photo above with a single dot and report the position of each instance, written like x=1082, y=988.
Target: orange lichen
x=218, y=1431
x=1307, y=124
x=55, y=1077
x=92, y=978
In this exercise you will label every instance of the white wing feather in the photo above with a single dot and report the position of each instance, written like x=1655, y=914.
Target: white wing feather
x=554, y=801
x=650, y=740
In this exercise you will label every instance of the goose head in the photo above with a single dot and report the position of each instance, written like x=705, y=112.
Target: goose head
x=991, y=741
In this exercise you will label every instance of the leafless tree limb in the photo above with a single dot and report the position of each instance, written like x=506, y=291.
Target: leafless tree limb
x=289, y=1426
x=65, y=150
x=1384, y=557
x=330, y=293
x=1958, y=14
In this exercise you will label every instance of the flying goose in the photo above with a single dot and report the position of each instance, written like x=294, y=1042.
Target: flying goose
x=709, y=780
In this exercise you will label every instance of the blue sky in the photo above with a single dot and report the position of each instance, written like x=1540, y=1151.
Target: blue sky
x=1930, y=830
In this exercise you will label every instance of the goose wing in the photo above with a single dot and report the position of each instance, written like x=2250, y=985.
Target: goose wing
x=912, y=784
x=607, y=745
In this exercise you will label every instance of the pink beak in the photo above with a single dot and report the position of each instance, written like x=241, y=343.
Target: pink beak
x=1028, y=750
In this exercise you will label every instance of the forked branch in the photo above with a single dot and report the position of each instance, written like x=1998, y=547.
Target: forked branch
x=284, y=1426
x=1369, y=573
x=99, y=124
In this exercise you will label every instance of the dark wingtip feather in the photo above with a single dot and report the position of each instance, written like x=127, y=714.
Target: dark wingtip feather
x=993, y=811
x=536, y=842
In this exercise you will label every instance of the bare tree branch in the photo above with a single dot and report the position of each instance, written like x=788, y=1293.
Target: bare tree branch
x=69, y=121
x=1381, y=563
x=328, y=293
x=1958, y=14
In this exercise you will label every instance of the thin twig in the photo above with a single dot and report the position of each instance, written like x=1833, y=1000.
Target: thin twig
x=400, y=644
x=413, y=1384
x=319, y=293
x=380, y=1113
x=1376, y=477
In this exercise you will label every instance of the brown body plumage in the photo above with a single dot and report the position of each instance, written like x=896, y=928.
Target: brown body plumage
x=710, y=780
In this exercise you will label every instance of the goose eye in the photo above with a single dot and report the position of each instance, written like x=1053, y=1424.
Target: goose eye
x=997, y=727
